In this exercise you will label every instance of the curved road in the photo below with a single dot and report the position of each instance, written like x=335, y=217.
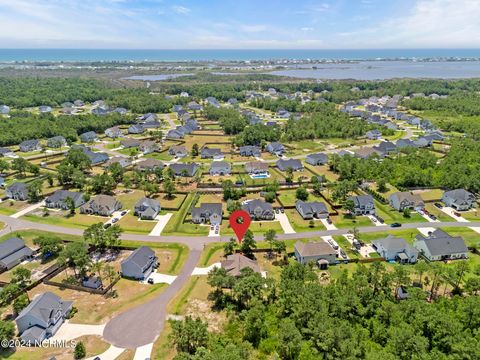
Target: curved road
x=142, y=324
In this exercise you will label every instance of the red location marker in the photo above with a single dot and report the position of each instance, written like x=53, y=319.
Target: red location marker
x=240, y=222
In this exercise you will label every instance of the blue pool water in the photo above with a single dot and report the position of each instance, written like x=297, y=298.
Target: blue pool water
x=260, y=176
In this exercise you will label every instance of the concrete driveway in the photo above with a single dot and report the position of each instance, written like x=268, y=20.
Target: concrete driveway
x=27, y=210
x=162, y=222
x=111, y=353
x=205, y=270
x=160, y=278
x=69, y=331
x=285, y=223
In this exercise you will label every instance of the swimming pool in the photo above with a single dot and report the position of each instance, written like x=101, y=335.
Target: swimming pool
x=259, y=176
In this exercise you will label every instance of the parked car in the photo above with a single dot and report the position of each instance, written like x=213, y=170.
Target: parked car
x=342, y=254
x=281, y=210
x=114, y=220
x=433, y=217
x=425, y=212
x=150, y=281
x=277, y=211
x=374, y=219
x=395, y=225
x=123, y=213
x=456, y=213
x=438, y=205
x=106, y=226
x=380, y=220
x=329, y=221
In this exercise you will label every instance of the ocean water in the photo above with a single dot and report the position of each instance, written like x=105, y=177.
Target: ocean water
x=69, y=55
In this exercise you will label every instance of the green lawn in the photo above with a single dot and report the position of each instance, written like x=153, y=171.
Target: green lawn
x=301, y=225
x=346, y=246
x=345, y=222
x=257, y=227
x=176, y=225
x=469, y=236
x=391, y=215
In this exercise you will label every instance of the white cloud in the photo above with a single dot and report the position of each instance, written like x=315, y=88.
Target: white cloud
x=181, y=9
x=307, y=28
x=253, y=28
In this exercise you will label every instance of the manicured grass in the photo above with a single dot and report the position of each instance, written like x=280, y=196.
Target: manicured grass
x=432, y=209
x=257, y=227
x=29, y=235
x=472, y=215
x=469, y=236
x=9, y=207
x=301, y=225
x=429, y=195
x=211, y=253
x=346, y=246
x=391, y=215
x=78, y=221
x=176, y=226
x=345, y=222
x=407, y=234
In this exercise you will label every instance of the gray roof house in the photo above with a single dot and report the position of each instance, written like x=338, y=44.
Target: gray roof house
x=250, y=150
x=45, y=109
x=95, y=157
x=314, y=252
x=385, y=147
x=150, y=164
x=114, y=132
x=192, y=105
x=12, y=252
x=4, y=109
x=148, y=146
x=374, y=134
x=175, y=134
x=459, y=199
x=211, y=153
x=178, y=151
x=136, y=129
x=89, y=136
x=364, y=204
x=58, y=200
x=56, y=142
x=129, y=143
x=402, y=200
x=311, y=209
x=294, y=164
x=317, y=159
x=234, y=264
x=147, y=209
x=6, y=152
x=220, y=168
x=259, y=210
x=187, y=170
x=256, y=167
x=30, y=145
x=121, y=160
x=140, y=264
x=17, y=191
x=42, y=318
x=103, y=205
x=393, y=248
x=439, y=245
x=275, y=148
x=207, y=212
x=151, y=124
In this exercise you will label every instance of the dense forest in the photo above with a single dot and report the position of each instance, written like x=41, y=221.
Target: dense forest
x=418, y=168
x=354, y=317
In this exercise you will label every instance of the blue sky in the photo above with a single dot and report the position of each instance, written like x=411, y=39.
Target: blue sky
x=239, y=24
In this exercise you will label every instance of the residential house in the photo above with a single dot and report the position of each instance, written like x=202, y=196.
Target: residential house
x=232, y=101
x=150, y=164
x=96, y=158
x=314, y=252
x=44, y=109
x=30, y=145
x=459, y=199
x=56, y=142
x=129, y=143
x=12, y=252
x=250, y=150
x=259, y=210
x=256, y=168
x=151, y=124
x=393, y=248
x=78, y=103
x=311, y=209
x=103, y=205
x=294, y=164
x=207, y=213
x=374, y=134
x=114, y=132
x=148, y=147
x=220, y=168
x=136, y=129
x=283, y=114
x=89, y=136
x=403, y=200
x=385, y=148
x=147, y=117
x=234, y=264
x=179, y=151
x=317, y=159
x=140, y=264
x=194, y=106
x=364, y=204
x=6, y=152
x=147, y=209
x=184, y=94
x=187, y=170
x=121, y=160
x=365, y=153
x=101, y=110
x=440, y=245
x=58, y=200
x=17, y=191
x=275, y=148
x=92, y=282
x=42, y=318
x=211, y=153
x=4, y=109
x=212, y=101
x=121, y=111
x=175, y=134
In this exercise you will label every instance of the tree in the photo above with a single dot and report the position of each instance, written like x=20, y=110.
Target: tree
x=103, y=183
x=407, y=212
x=194, y=150
x=34, y=191
x=248, y=288
x=20, y=164
x=289, y=175
x=150, y=188
x=4, y=166
x=279, y=247
x=112, y=236
x=80, y=351
x=21, y=276
x=350, y=207
x=289, y=340
x=301, y=193
x=270, y=237
x=70, y=205
x=20, y=303
x=168, y=187
x=75, y=255
x=229, y=247
x=49, y=245
x=116, y=171
x=50, y=179
x=248, y=244
x=109, y=273
x=95, y=235
x=189, y=335
x=311, y=223
x=7, y=333
x=382, y=185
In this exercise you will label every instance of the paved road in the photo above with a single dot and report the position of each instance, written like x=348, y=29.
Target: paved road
x=142, y=324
